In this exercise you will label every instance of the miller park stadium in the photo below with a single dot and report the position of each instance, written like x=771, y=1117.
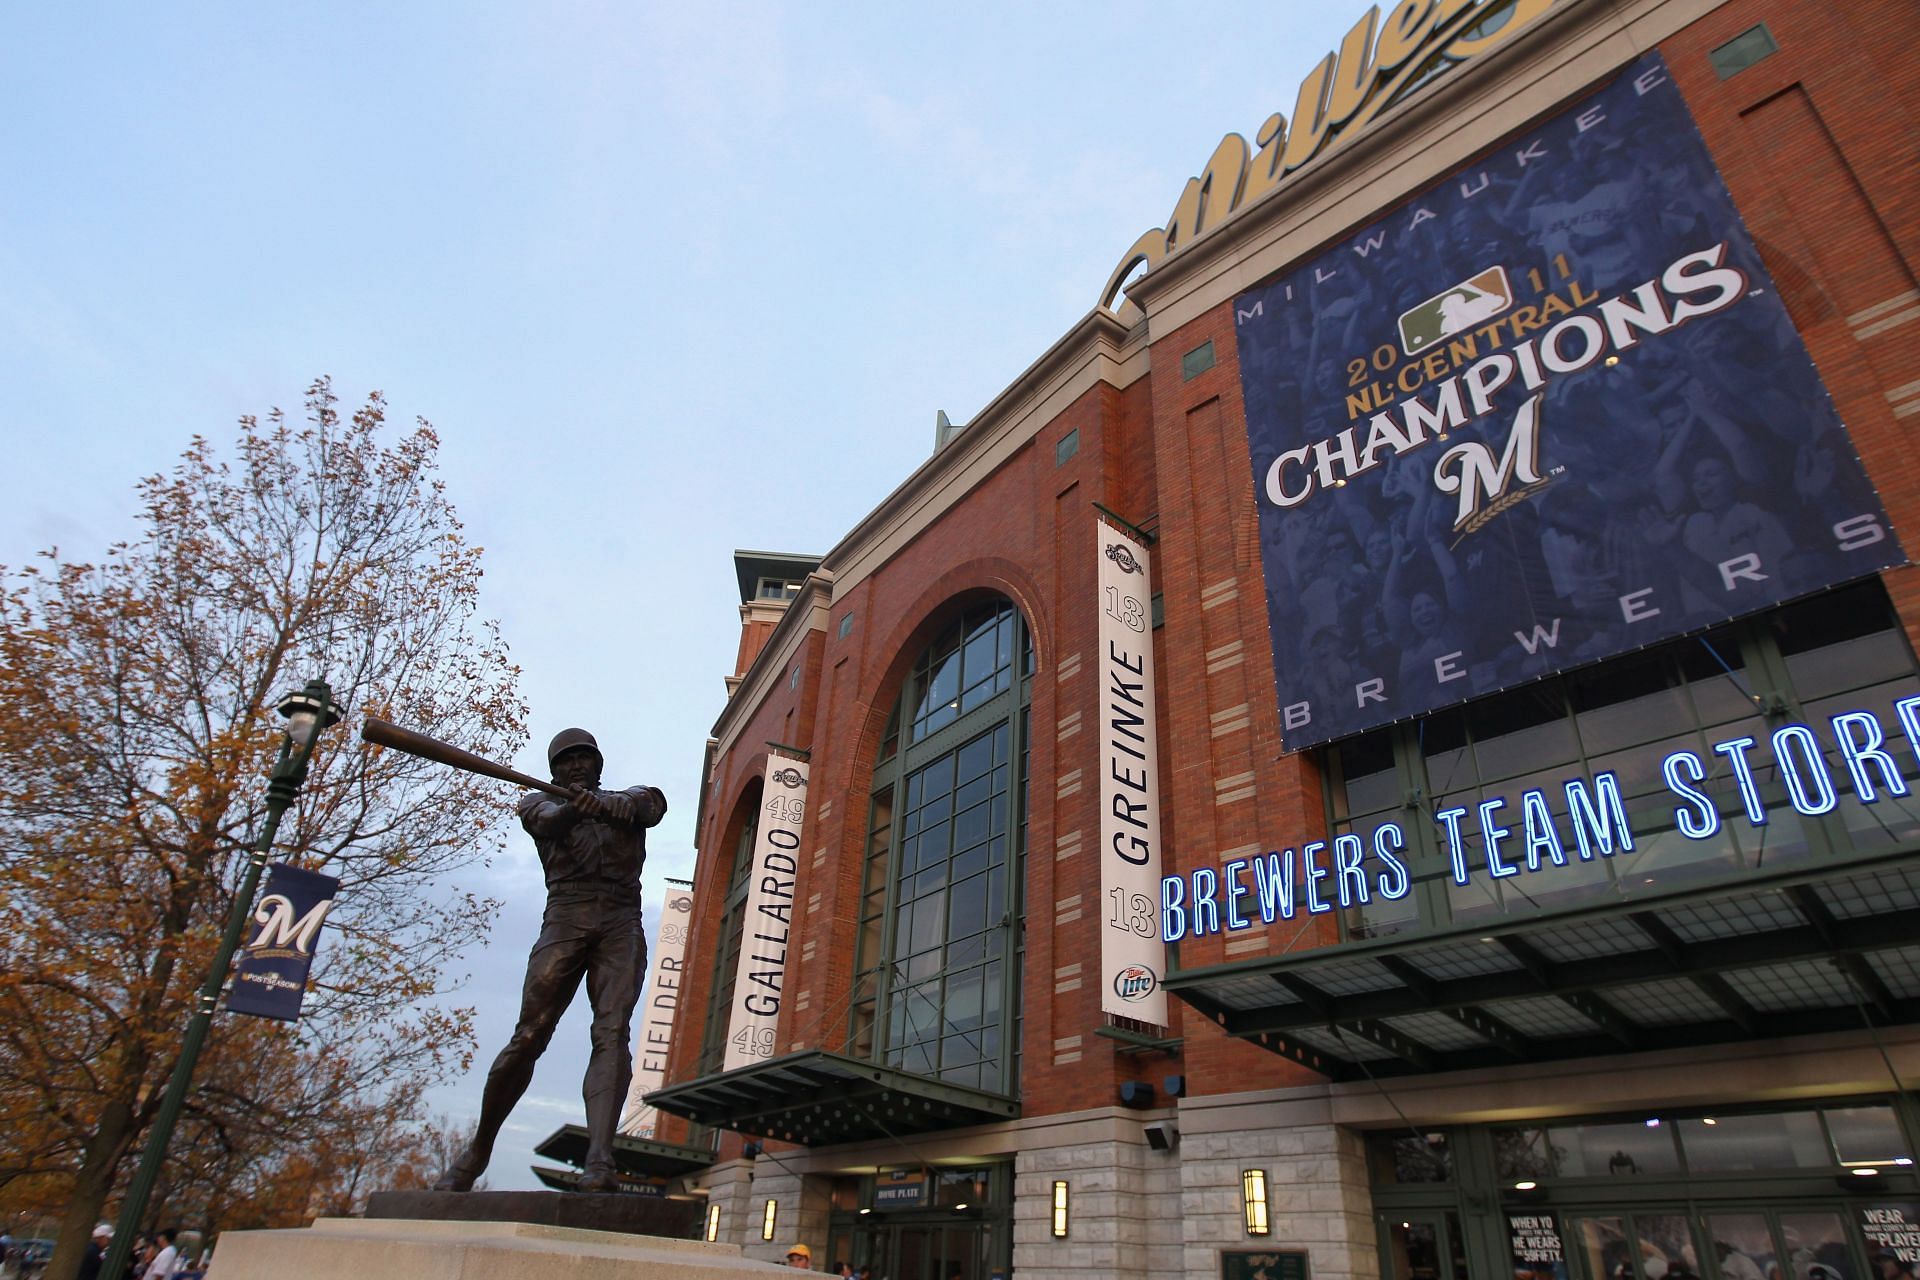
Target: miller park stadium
x=1388, y=752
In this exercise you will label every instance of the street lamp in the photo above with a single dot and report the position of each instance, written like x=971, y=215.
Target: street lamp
x=307, y=712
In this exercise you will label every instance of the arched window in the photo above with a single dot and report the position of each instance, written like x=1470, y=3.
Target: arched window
x=713, y=1046
x=937, y=970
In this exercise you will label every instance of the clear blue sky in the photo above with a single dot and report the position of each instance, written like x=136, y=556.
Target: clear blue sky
x=669, y=279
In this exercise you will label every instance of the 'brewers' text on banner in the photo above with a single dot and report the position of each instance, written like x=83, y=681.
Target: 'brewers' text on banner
x=768, y=922
x=1132, y=957
x=271, y=978
x=1550, y=410
x=654, y=1035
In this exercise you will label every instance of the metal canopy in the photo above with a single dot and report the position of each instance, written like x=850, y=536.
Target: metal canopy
x=819, y=1099
x=558, y=1179
x=1828, y=952
x=634, y=1157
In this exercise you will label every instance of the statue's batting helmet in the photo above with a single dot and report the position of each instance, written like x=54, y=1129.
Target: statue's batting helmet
x=566, y=740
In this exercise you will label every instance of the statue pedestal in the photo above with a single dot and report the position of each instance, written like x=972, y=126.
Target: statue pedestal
x=618, y=1211
x=405, y=1249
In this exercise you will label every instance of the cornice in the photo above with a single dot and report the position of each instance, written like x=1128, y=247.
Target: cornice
x=805, y=613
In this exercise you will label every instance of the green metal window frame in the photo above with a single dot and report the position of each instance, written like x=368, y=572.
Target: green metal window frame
x=915, y=742
x=713, y=1043
x=1477, y=1199
x=1736, y=678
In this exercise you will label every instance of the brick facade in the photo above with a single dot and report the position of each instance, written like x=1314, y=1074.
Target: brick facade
x=1819, y=144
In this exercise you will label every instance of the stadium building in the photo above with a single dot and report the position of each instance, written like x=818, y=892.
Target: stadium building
x=1389, y=750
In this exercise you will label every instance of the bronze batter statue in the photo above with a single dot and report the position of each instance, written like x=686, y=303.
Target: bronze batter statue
x=592, y=848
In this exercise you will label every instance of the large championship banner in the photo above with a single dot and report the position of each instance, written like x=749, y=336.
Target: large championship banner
x=1132, y=957
x=1551, y=410
x=653, y=1038
x=761, y=977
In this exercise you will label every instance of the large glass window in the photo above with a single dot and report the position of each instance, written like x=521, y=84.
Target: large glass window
x=1807, y=662
x=713, y=1045
x=937, y=971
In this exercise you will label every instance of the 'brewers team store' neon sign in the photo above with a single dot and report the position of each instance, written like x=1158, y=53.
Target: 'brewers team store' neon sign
x=1524, y=835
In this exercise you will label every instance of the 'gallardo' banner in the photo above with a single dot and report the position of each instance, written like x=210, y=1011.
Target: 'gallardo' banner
x=762, y=974
x=271, y=978
x=1550, y=410
x=654, y=1036
x=1131, y=953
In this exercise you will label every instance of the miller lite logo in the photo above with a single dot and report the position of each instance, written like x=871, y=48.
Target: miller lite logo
x=1135, y=983
x=789, y=777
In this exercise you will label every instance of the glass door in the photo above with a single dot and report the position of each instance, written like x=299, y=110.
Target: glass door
x=1422, y=1244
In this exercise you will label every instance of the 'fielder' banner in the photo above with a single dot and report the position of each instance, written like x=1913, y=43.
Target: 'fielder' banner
x=762, y=974
x=271, y=977
x=1131, y=953
x=1550, y=410
x=655, y=1035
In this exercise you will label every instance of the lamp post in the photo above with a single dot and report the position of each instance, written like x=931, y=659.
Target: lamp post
x=307, y=712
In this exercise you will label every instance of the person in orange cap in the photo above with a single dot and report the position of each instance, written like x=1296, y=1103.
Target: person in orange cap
x=800, y=1258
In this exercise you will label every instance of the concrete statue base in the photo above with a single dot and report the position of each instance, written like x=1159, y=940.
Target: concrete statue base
x=635, y=1215
x=399, y=1249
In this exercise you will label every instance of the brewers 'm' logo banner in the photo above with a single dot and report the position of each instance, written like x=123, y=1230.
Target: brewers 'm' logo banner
x=1550, y=410
x=1132, y=956
x=762, y=973
x=270, y=980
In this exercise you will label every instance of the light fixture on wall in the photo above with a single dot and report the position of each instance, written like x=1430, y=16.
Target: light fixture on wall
x=1253, y=1196
x=767, y=1219
x=713, y=1223
x=1059, y=1210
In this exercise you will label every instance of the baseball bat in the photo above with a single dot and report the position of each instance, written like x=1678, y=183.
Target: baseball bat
x=385, y=734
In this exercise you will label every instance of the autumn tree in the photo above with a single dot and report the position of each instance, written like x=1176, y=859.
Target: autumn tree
x=137, y=723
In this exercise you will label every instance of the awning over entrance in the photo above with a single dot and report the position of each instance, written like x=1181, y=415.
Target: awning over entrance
x=634, y=1157
x=819, y=1099
x=1826, y=952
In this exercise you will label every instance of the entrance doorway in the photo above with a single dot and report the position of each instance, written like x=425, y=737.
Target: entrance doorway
x=1423, y=1244
x=916, y=1250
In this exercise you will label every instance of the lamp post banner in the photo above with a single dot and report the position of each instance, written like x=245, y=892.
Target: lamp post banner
x=270, y=979
x=654, y=1036
x=1551, y=409
x=1132, y=957
x=761, y=977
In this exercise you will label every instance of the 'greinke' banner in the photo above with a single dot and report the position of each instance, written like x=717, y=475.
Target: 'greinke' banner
x=1132, y=957
x=1550, y=410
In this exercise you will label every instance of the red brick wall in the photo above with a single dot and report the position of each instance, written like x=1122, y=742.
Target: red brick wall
x=1820, y=146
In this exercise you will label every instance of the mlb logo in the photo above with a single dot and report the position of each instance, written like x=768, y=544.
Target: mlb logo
x=1466, y=305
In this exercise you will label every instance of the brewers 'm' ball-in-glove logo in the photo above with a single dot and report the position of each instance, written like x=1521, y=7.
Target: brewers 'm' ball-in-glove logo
x=789, y=778
x=1135, y=983
x=1123, y=556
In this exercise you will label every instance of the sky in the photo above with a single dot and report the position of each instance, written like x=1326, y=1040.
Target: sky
x=669, y=280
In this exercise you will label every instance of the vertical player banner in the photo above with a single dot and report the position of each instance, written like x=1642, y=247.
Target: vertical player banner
x=1550, y=410
x=271, y=978
x=653, y=1039
x=1132, y=957
x=768, y=923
